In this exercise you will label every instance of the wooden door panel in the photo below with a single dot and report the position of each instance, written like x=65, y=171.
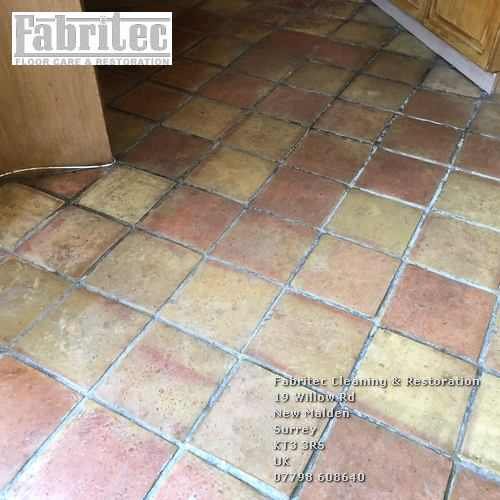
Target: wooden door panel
x=51, y=116
x=416, y=8
x=470, y=26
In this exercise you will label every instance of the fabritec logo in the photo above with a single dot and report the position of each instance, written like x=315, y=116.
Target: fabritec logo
x=91, y=38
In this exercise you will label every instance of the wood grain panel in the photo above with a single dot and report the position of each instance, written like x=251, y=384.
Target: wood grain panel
x=469, y=26
x=416, y=8
x=51, y=116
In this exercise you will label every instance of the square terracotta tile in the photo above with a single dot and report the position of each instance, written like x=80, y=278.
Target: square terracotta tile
x=482, y=435
x=265, y=64
x=230, y=434
x=354, y=120
x=192, y=216
x=168, y=152
x=398, y=67
x=372, y=14
x=377, y=92
x=125, y=193
x=72, y=242
x=186, y=75
x=406, y=43
x=228, y=7
x=447, y=79
x=338, y=8
x=221, y=303
x=143, y=269
x=493, y=358
x=468, y=485
x=22, y=210
x=166, y=380
x=191, y=477
x=32, y=407
x=406, y=178
x=313, y=23
x=124, y=130
x=292, y=104
x=394, y=467
x=66, y=185
x=183, y=40
x=441, y=311
x=363, y=34
x=204, y=118
x=25, y=292
x=348, y=274
x=383, y=223
x=320, y=341
x=487, y=120
x=199, y=20
x=435, y=142
x=97, y=455
x=265, y=136
x=480, y=154
x=244, y=29
x=472, y=197
x=339, y=54
x=113, y=83
x=298, y=195
x=330, y=156
x=274, y=15
x=433, y=413
x=232, y=173
x=218, y=50
x=265, y=244
x=82, y=336
x=151, y=101
x=459, y=249
x=443, y=108
x=236, y=89
x=320, y=78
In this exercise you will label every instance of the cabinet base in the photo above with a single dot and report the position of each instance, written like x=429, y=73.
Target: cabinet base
x=483, y=79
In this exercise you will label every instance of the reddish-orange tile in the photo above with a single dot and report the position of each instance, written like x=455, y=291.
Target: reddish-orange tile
x=394, y=467
x=294, y=104
x=265, y=244
x=98, y=455
x=406, y=178
x=236, y=89
x=330, y=156
x=428, y=140
x=266, y=64
x=346, y=56
x=32, y=406
x=192, y=216
x=320, y=341
x=481, y=154
x=442, y=108
x=168, y=152
x=240, y=428
x=72, y=241
x=354, y=120
x=186, y=74
x=441, y=311
x=167, y=379
x=151, y=100
x=67, y=185
x=469, y=486
x=299, y=195
x=346, y=273
x=193, y=478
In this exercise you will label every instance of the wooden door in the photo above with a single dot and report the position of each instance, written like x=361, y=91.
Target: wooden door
x=416, y=8
x=471, y=26
x=50, y=115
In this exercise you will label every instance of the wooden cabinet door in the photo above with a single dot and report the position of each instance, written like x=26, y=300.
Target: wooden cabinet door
x=470, y=26
x=50, y=116
x=416, y=8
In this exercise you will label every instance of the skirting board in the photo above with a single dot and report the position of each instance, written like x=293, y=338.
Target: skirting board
x=483, y=79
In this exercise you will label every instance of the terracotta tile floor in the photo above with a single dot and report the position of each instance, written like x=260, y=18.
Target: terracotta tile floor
x=307, y=192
